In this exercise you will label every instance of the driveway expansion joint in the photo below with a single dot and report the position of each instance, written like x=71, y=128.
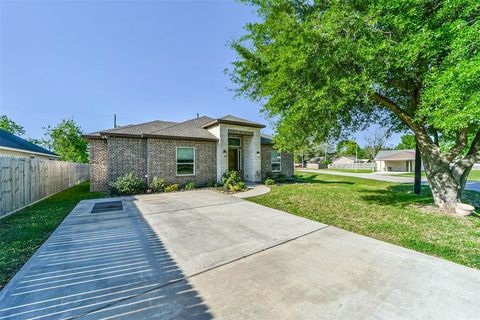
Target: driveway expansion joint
x=200, y=272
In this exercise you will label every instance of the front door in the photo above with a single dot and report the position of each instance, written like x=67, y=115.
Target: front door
x=232, y=159
x=235, y=160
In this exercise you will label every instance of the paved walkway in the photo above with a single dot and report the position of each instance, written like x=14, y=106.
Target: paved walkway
x=203, y=255
x=471, y=185
x=255, y=190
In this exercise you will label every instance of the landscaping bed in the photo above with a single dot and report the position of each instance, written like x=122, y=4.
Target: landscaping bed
x=382, y=210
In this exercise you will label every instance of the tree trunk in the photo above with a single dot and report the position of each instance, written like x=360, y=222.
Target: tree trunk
x=446, y=189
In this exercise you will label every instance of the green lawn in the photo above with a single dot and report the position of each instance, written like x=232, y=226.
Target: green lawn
x=23, y=232
x=381, y=210
x=353, y=170
x=474, y=175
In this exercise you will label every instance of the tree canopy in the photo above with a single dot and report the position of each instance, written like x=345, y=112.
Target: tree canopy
x=407, y=141
x=324, y=69
x=11, y=126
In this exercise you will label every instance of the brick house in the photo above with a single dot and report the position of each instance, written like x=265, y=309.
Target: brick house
x=198, y=150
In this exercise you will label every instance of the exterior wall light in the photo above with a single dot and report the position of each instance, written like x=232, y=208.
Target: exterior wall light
x=258, y=153
x=224, y=152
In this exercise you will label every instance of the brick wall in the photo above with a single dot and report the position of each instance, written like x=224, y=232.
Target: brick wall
x=126, y=155
x=162, y=160
x=287, y=161
x=98, y=165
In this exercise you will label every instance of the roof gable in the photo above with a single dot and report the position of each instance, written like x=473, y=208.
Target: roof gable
x=407, y=154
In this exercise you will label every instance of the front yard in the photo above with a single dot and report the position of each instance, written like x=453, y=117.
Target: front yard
x=474, y=175
x=23, y=232
x=381, y=210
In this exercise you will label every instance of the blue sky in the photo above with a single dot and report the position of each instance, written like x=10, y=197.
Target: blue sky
x=143, y=60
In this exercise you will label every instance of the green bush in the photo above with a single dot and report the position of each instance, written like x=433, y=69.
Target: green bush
x=281, y=178
x=171, y=188
x=230, y=180
x=212, y=184
x=269, y=182
x=190, y=186
x=157, y=184
x=239, y=186
x=128, y=184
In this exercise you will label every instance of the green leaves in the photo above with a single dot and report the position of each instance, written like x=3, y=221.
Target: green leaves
x=11, y=126
x=315, y=65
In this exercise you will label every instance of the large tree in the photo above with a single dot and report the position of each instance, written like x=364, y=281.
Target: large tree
x=65, y=139
x=327, y=68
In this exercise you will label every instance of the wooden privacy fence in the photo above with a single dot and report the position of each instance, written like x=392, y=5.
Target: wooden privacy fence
x=24, y=180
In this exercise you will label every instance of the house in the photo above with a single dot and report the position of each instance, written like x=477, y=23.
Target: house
x=198, y=150
x=396, y=160
x=345, y=160
x=12, y=145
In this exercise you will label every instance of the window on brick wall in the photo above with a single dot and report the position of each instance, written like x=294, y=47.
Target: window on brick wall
x=185, y=161
x=276, y=161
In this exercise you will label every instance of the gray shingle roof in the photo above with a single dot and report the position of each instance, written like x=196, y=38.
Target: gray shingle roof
x=194, y=129
x=266, y=139
x=234, y=120
x=407, y=154
x=9, y=140
x=188, y=129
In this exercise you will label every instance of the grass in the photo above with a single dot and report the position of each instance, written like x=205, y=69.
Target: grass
x=474, y=175
x=381, y=210
x=352, y=170
x=23, y=232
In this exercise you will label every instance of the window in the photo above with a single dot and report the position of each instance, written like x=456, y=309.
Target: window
x=276, y=161
x=185, y=161
x=234, y=142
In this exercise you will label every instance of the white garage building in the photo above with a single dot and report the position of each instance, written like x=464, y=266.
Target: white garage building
x=395, y=160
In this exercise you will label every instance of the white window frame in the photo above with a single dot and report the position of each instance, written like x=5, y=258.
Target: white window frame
x=279, y=160
x=176, y=161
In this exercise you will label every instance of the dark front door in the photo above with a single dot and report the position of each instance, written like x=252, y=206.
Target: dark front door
x=233, y=159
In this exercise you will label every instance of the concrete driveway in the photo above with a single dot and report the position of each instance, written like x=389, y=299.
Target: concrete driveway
x=203, y=255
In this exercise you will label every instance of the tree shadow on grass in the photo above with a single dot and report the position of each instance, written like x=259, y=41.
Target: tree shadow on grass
x=397, y=195
x=402, y=195
x=315, y=179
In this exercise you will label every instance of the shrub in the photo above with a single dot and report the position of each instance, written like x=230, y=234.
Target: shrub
x=281, y=178
x=171, y=188
x=128, y=184
x=239, y=186
x=157, y=184
x=212, y=184
x=190, y=186
x=230, y=179
x=269, y=182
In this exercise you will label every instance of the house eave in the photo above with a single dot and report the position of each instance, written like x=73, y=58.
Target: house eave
x=243, y=124
x=30, y=152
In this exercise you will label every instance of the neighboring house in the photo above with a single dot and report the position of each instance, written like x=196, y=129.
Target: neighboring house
x=396, y=160
x=198, y=150
x=12, y=145
x=348, y=160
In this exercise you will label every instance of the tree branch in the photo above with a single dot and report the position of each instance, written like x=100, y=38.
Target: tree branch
x=404, y=116
x=472, y=156
x=461, y=141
